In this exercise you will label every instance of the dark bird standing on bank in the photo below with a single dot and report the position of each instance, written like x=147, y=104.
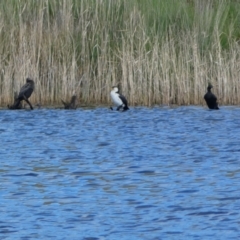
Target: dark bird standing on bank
x=210, y=98
x=25, y=93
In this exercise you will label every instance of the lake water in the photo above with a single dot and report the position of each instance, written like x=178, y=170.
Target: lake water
x=148, y=173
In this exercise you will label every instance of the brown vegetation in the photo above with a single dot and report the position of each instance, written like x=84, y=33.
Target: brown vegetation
x=88, y=46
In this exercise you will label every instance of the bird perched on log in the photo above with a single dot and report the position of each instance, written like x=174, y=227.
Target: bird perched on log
x=210, y=98
x=13, y=106
x=119, y=100
x=25, y=93
x=71, y=104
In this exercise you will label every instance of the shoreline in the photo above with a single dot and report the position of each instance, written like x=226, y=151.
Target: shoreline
x=94, y=106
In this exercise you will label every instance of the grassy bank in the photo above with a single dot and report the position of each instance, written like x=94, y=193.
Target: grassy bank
x=161, y=52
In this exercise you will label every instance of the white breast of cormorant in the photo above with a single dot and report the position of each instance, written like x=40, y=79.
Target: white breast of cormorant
x=115, y=98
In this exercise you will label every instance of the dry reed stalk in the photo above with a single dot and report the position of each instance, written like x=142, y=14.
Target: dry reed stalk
x=86, y=47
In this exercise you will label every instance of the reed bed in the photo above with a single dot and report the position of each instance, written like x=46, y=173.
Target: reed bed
x=160, y=52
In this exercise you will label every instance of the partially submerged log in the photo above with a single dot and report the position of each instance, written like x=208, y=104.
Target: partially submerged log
x=72, y=104
x=14, y=105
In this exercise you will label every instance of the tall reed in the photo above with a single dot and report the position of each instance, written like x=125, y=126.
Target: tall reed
x=161, y=52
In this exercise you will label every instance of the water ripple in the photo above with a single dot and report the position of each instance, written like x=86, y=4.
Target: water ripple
x=149, y=173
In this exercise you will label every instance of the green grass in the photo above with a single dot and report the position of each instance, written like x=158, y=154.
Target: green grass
x=160, y=51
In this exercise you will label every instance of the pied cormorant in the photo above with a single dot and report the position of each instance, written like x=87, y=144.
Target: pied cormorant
x=119, y=100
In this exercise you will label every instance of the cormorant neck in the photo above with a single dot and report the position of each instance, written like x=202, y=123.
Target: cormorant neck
x=209, y=89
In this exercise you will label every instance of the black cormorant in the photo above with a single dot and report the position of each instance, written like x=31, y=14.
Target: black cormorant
x=210, y=98
x=25, y=93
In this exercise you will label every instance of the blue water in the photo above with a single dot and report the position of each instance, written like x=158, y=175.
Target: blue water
x=148, y=173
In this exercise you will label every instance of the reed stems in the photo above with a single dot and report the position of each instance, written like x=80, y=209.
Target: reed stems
x=161, y=52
